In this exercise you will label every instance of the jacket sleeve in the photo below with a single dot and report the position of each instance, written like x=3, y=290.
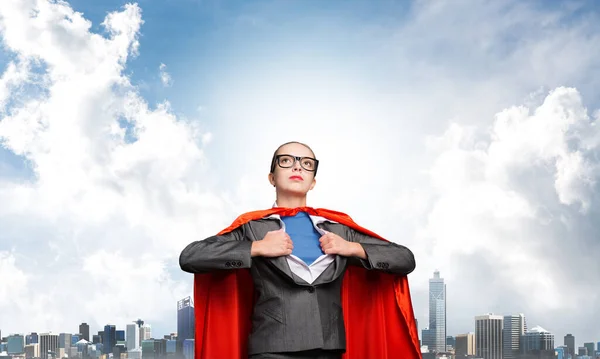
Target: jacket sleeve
x=382, y=255
x=228, y=251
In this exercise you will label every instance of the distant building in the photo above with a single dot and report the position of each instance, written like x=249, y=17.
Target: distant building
x=134, y=353
x=513, y=328
x=64, y=340
x=109, y=338
x=84, y=330
x=133, y=337
x=15, y=344
x=75, y=338
x=437, y=313
x=32, y=351
x=145, y=334
x=450, y=342
x=570, y=344
x=488, y=336
x=32, y=338
x=538, y=343
x=185, y=319
x=188, y=348
x=428, y=338
x=590, y=349
x=48, y=345
x=560, y=352
x=465, y=345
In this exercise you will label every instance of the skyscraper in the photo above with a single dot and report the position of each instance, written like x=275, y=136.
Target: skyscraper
x=48, y=345
x=488, y=336
x=570, y=344
x=185, y=319
x=437, y=312
x=84, y=330
x=514, y=326
x=590, y=349
x=109, y=339
x=133, y=337
x=145, y=333
x=64, y=340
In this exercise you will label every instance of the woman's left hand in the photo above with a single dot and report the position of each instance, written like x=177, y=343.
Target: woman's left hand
x=331, y=243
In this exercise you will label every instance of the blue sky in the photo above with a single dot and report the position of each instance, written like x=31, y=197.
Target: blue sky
x=471, y=124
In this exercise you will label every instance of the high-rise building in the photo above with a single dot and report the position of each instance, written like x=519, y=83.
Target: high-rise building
x=188, y=349
x=32, y=338
x=84, y=330
x=185, y=319
x=133, y=337
x=465, y=345
x=48, y=345
x=148, y=351
x=15, y=344
x=64, y=340
x=145, y=334
x=75, y=338
x=450, y=342
x=109, y=339
x=428, y=339
x=590, y=349
x=488, y=336
x=120, y=336
x=570, y=344
x=171, y=348
x=538, y=343
x=437, y=313
x=561, y=352
x=32, y=351
x=514, y=327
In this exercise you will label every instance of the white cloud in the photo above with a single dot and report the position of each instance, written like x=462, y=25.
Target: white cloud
x=165, y=78
x=120, y=209
x=510, y=203
x=14, y=281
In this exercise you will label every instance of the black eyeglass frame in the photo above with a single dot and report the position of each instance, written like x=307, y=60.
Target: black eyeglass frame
x=296, y=159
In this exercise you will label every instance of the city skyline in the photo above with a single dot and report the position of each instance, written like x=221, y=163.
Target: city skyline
x=492, y=333
x=130, y=129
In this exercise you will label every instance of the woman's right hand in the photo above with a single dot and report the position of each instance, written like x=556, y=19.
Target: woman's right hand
x=276, y=243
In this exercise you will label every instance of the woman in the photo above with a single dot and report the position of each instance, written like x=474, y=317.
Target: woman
x=297, y=257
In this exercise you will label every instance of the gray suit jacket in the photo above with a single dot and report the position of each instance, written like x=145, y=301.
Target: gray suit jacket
x=290, y=314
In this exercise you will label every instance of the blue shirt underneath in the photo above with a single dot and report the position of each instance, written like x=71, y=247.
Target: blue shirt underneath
x=304, y=235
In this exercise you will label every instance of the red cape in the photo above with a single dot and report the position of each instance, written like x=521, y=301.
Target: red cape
x=378, y=312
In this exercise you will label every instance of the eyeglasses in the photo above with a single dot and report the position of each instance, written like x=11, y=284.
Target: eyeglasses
x=286, y=161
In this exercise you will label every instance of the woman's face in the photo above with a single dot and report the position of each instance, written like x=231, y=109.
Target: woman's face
x=294, y=180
